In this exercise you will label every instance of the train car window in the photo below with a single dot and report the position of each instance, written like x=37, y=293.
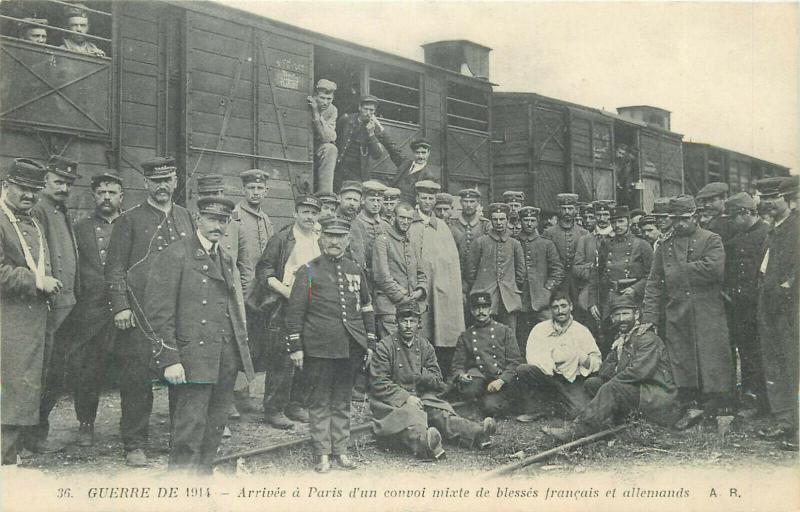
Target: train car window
x=398, y=93
x=83, y=28
x=467, y=107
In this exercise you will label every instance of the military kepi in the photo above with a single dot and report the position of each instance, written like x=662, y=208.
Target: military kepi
x=335, y=226
x=210, y=183
x=26, y=173
x=63, y=167
x=308, y=200
x=682, y=206
x=108, y=175
x=253, y=176
x=480, y=299
x=528, y=212
x=566, y=199
x=618, y=301
x=162, y=167
x=410, y=308
x=215, y=206
x=499, y=208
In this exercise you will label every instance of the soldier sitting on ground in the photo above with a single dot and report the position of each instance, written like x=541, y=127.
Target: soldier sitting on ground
x=405, y=380
x=636, y=375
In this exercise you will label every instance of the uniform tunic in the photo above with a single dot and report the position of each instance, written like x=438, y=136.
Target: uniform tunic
x=586, y=269
x=356, y=146
x=465, y=233
x=255, y=228
x=543, y=271
x=686, y=277
x=57, y=227
x=405, y=180
x=622, y=257
x=369, y=228
x=397, y=271
x=496, y=265
x=566, y=241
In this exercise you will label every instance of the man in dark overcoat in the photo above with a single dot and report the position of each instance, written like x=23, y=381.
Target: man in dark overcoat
x=26, y=285
x=711, y=203
x=778, y=300
x=686, y=278
x=195, y=306
x=565, y=235
x=405, y=381
x=140, y=234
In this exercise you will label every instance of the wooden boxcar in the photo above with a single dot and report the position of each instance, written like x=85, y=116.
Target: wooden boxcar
x=544, y=146
x=704, y=163
x=223, y=91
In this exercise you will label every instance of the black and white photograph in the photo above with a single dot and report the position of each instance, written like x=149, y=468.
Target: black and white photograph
x=379, y=255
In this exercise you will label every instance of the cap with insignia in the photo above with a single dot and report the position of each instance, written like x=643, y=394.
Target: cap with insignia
x=444, y=198
x=637, y=213
x=499, y=208
x=161, y=167
x=350, y=186
x=108, y=175
x=392, y=193
x=368, y=99
x=713, y=189
x=682, y=206
x=428, y=186
x=326, y=86
x=480, y=299
x=647, y=219
x=620, y=300
x=420, y=143
x=308, y=200
x=586, y=208
x=335, y=226
x=513, y=196
x=64, y=167
x=619, y=212
x=75, y=11
x=472, y=193
x=527, y=212
x=602, y=205
x=210, y=183
x=373, y=188
x=567, y=199
x=26, y=173
x=253, y=176
x=738, y=202
x=328, y=198
x=410, y=308
x=661, y=206
x=215, y=206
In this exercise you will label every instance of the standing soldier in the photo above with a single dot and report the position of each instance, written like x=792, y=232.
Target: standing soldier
x=514, y=199
x=711, y=202
x=664, y=223
x=349, y=203
x=544, y=273
x=588, y=220
x=391, y=196
x=330, y=203
x=468, y=227
x=648, y=227
x=443, y=207
x=368, y=223
x=51, y=213
x=331, y=333
x=286, y=252
x=139, y=235
x=496, y=266
x=195, y=306
x=687, y=276
x=398, y=274
x=565, y=235
x=90, y=326
x=323, y=119
x=413, y=170
x=625, y=261
x=587, y=263
x=26, y=285
x=742, y=259
x=777, y=308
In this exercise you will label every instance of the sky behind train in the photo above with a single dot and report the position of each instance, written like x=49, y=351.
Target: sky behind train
x=727, y=71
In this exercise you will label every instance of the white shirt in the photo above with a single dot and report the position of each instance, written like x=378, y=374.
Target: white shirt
x=207, y=244
x=765, y=261
x=305, y=249
x=561, y=352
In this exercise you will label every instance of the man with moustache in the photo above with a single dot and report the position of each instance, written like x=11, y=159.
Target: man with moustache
x=544, y=274
x=496, y=266
x=323, y=119
x=349, y=204
x=468, y=227
x=255, y=225
x=648, y=227
x=686, y=279
x=331, y=333
x=368, y=223
x=413, y=170
x=586, y=267
x=664, y=223
x=587, y=216
x=139, y=235
x=778, y=299
x=26, y=286
x=286, y=252
x=437, y=253
x=78, y=23
x=51, y=213
x=391, y=196
x=635, y=376
x=398, y=275
x=711, y=203
x=90, y=326
x=565, y=235
x=195, y=306
x=742, y=260
x=359, y=137
x=330, y=203
x=405, y=382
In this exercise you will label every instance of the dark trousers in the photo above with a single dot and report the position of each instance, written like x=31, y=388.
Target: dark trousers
x=610, y=400
x=743, y=327
x=569, y=394
x=88, y=365
x=283, y=385
x=778, y=334
x=444, y=356
x=201, y=411
x=526, y=320
x=10, y=436
x=454, y=429
x=329, y=394
x=497, y=404
x=135, y=388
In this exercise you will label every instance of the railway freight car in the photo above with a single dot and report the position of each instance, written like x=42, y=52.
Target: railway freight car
x=223, y=91
x=704, y=163
x=545, y=146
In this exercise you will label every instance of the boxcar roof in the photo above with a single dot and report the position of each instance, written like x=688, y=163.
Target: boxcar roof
x=737, y=153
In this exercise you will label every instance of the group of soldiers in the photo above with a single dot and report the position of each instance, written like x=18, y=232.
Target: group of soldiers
x=75, y=29
x=394, y=293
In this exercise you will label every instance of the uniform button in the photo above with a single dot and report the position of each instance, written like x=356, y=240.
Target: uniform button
x=475, y=349
x=477, y=358
x=201, y=343
x=204, y=302
x=344, y=320
x=400, y=365
x=203, y=321
x=204, y=280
